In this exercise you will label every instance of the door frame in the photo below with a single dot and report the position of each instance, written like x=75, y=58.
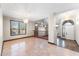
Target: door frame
x=68, y=21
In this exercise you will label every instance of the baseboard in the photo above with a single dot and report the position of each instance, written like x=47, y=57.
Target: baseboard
x=17, y=38
x=76, y=42
x=42, y=38
x=52, y=43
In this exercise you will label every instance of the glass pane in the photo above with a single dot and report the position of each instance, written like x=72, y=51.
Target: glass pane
x=22, y=28
x=14, y=28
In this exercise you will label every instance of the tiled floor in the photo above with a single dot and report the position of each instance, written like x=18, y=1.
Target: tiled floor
x=34, y=47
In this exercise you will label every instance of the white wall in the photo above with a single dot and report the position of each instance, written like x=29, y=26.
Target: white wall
x=6, y=28
x=51, y=28
x=77, y=30
x=1, y=30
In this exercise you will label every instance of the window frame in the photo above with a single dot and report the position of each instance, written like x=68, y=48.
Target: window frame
x=18, y=28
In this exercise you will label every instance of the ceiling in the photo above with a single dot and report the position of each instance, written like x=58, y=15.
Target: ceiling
x=35, y=11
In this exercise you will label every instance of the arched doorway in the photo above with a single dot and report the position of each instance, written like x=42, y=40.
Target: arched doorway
x=68, y=29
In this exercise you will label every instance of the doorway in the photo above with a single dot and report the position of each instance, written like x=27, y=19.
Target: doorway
x=41, y=29
x=68, y=30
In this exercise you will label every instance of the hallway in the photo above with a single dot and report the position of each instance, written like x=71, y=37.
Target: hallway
x=34, y=47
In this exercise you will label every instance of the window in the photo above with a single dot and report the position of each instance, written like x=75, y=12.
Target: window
x=22, y=28
x=17, y=28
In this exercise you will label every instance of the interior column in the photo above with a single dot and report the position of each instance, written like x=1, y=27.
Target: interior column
x=51, y=28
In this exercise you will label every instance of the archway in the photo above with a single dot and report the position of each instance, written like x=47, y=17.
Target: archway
x=68, y=29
